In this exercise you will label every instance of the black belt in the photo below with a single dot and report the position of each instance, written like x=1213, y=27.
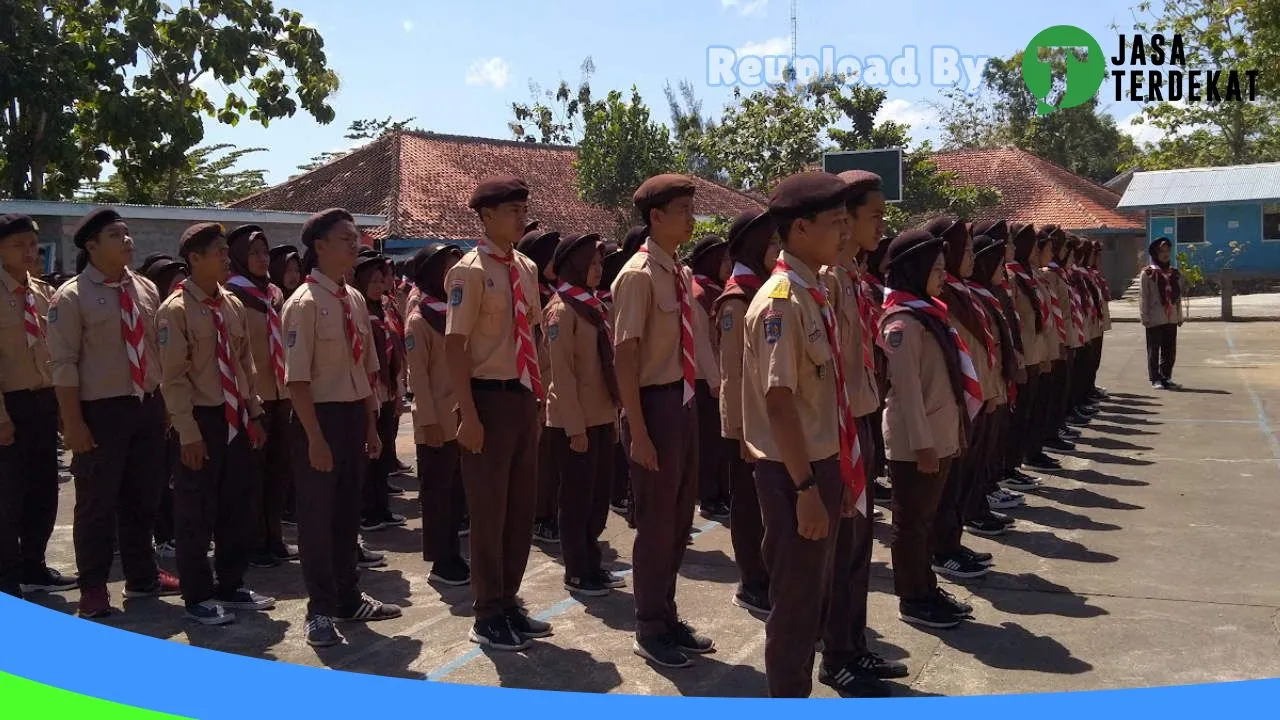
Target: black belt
x=677, y=385
x=498, y=385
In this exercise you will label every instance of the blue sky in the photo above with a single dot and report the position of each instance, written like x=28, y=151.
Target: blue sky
x=457, y=67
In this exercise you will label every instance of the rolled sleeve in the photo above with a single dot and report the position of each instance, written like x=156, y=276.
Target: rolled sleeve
x=904, y=377
x=632, y=295
x=299, y=340
x=731, y=350
x=175, y=369
x=464, y=285
x=418, y=353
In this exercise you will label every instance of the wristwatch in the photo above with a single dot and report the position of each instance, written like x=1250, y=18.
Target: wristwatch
x=810, y=482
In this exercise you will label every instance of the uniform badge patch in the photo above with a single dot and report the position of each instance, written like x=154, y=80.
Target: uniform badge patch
x=772, y=328
x=324, y=311
x=455, y=296
x=409, y=342
x=162, y=335
x=782, y=290
x=291, y=338
x=726, y=322
x=488, y=282
x=553, y=332
x=895, y=338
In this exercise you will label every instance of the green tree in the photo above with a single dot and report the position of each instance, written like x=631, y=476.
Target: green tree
x=210, y=178
x=688, y=128
x=621, y=147
x=554, y=117
x=362, y=129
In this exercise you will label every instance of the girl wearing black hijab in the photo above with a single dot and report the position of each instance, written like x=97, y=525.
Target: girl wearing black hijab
x=1099, y=281
x=372, y=277
x=873, y=285
x=932, y=392
x=250, y=255
x=1067, y=320
x=166, y=272
x=1034, y=318
x=1160, y=309
x=1083, y=406
x=285, y=269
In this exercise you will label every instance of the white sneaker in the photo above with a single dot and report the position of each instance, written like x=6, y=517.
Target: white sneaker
x=1003, y=499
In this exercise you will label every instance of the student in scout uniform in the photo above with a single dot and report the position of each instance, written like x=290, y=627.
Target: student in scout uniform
x=435, y=424
x=539, y=246
x=166, y=273
x=1051, y=336
x=1056, y=432
x=873, y=286
x=1082, y=406
x=661, y=342
x=28, y=419
x=807, y=466
x=1033, y=315
x=249, y=253
x=708, y=260
x=371, y=278
x=753, y=249
x=493, y=365
x=103, y=359
x=620, y=496
x=933, y=394
x=328, y=360
x=210, y=391
x=1099, y=280
x=285, y=269
x=582, y=410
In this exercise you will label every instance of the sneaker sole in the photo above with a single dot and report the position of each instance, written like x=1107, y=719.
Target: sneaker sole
x=371, y=618
x=959, y=574
x=602, y=592
x=397, y=523
x=373, y=528
x=638, y=650
x=95, y=615
x=212, y=622
x=985, y=533
x=483, y=641
x=264, y=565
x=136, y=595
x=750, y=607
x=463, y=533
x=868, y=688
x=546, y=541
x=1006, y=505
x=614, y=584
x=372, y=565
x=451, y=583
x=325, y=643
x=944, y=625
x=248, y=607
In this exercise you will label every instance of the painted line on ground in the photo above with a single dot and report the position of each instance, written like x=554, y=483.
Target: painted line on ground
x=1263, y=420
x=560, y=608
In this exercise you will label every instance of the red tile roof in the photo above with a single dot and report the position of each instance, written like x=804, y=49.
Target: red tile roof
x=1037, y=191
x=421, y=182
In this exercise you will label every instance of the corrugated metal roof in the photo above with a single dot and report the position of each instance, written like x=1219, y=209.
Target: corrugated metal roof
x=1203, y=186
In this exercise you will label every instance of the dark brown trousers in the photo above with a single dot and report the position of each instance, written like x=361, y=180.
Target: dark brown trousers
x=746, y=528
x=164, y=511
x=118, y=486
x=28, y=486
x=502, y=494
x=915, y=506
x=662, y=505
x=713, y=473
x=214, y=502
x=376, y=502
x=965, y=474
x=845, y=637
x=548, y=475
x=275, y=471
x=621, y=493
x=440, y=483
x=329, y=509
x=1042, y=424
x=799, y=575
x=586, y=479
x=1063, y=389
x=988, y=469
x=1022, y=431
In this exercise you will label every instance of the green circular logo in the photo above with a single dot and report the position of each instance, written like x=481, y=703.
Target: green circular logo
x=1083, y=77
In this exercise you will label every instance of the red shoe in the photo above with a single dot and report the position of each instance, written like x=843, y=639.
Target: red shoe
x=95, y=602
x=164, y=586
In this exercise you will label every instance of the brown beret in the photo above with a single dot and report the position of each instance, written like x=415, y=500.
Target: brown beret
x=14, y=224
x=245, y=233
x=861, y=182
x=93, y=223
x=198, y=234
x=662, y=189
x=568, y=246
x=497, y=190
x=807, y=193
x=317, y=225
x=747, y=227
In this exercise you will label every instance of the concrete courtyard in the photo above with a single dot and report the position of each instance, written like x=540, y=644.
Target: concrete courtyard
x=1151, y=559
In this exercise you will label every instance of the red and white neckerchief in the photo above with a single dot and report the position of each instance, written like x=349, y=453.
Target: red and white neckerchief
x=870, y=286
x=391, y=309
x=526, y=356
x=1087, y=279
x=745, y=278
x=708, y=285
x=388, y=340
x=349, y=322
x=1016, y=268
x=433, y=311
x=1165, y=289
x=686, y=330
x=233, y=405
x=988, y=340
x=604, y=295
x=591, y=300
x=1059, y=319
x=133, y=332
x=30, y=318
x=938, y=310
x=1011, y=387
x=1101, y=281
x=1077, y=311
x=864, y=319
x=275, y=340
x=852, y=471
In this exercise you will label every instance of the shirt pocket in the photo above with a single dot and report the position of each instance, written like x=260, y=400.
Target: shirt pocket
x=817, y=350
x=495, y=308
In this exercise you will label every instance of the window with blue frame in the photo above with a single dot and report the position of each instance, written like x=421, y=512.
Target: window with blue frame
x=1271, y=221
x=1190, y=222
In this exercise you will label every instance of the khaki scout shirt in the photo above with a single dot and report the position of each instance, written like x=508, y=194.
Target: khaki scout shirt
x=646, y=308
x=1063, y=292
x=480, y=309
x=188, y=343
x=920, y=410
x=786, y=347
x=733, y=314
x=22, y=367
x=260, y=343
x=1032, y=347
x=864, y=396
x=1050, y=341
x=978, y=352
x=86, y=340
x=433, y=400
x=578, y=394
x=316, y=347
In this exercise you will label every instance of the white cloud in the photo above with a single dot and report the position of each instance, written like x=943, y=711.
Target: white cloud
x=916, y=117
x=407, y=25
x=493, y=71
x=771, y=47
x=1145, y=132
x=746, y=8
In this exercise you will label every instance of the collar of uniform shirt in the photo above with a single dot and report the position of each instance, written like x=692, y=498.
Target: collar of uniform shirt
x=11, y=285
x=800, y=267
x=496, y=252
x=197, y=293
x=98, y=278
x=660, y=256
x=325, y=282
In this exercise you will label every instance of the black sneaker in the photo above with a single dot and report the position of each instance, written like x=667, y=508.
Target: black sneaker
x=370, y=525
x=453, y=573
x=959, y=566
x=525, y=626
x=545, y=532
x=619, y=507
x=243, y=599
x=209, y=613
x=1076, y=419
x=1069, y=434
x=714, y=510
x=1057, y=443
x=661, y=651
x=49, y=580
x=881, y=491
x=852, y=681
x=1171, y=385
x=465, y=530
x=587, y=587
x=927, y=613
x=1021, y=481
x=368, y=559
x=264, y=559
x=394, y=520
x=687, y=639
x=877, y=666
x=1088, y=409
x=952, y=603
x=1003, y=519
x=286, y=552
x=979, y=557
x=395, y=490
x=321, y=632
x=289, y=519
x=370, y=610
x=985, y=526
x=1044, y=462
x=610, y=580
x=753, y=601
x=496, y=633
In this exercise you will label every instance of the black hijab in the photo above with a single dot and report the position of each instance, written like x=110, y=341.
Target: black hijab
x=1024, y=242
x=989, y=255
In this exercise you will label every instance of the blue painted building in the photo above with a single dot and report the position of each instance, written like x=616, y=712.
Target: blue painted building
x=1222, y=218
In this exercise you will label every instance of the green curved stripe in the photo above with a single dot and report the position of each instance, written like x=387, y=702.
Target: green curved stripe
x=21, y=699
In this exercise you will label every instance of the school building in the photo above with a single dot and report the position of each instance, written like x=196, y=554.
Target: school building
x=1223, y=218
x=421, y=182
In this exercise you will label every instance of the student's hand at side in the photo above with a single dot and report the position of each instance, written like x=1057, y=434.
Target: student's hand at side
x=194, y=454
x=927, y=461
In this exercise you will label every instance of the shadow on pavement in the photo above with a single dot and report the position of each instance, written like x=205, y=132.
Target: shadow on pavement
x=1200, y=391
x=1093, y=477
x=394, y=657
x=1051, y=547
x=1081, y=498
x=1109, y=458
x=1028, y=594
x=708, y=565
x=1118, y=429
x=709, y=677
x=1061, y=519
x=1124, y=419
x=1010, y=646
x=551, y=667
x=1109, y=443
x=1124, y=410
